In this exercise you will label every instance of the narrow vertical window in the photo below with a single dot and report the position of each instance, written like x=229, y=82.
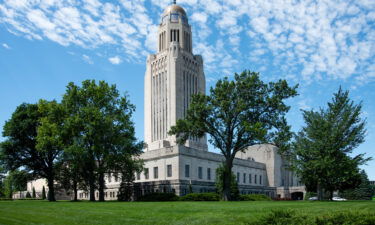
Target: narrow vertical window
x=171, y=36
x=178, y=35
x=255, y=178
x=146, y=173
x=208, y=173
x=169, y=170
x=200, y=172
x=250, y=178
x=238, y=177
x=244, y=178
x=260, y=179
x=187, y=170
x=156, y=172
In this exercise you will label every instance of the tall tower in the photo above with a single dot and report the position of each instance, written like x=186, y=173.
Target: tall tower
x=173, y=74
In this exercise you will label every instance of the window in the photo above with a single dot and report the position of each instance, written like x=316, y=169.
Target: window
x=156, y=171
x=260, y=179
x=244, y=178
x=187, y=170
x=146, y=173
x=238, y=177
x=200, y=175
x=208, y=173
x=138, y=175
x=174, y=17
x=109, y=178
x=116, y=177
x=169, y=170
x=250, y=178
x=255, y=178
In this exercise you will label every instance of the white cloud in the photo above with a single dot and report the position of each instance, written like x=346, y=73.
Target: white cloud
x=115, y=60
x=333, y=39
x=5, y=46
x=87, y=59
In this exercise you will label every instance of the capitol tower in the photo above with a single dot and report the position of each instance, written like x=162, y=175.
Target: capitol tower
x=173, y=74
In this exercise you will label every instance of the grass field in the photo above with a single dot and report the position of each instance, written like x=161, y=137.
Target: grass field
x=43, y=212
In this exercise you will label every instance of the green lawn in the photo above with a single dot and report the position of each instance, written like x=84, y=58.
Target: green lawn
x=43, y=212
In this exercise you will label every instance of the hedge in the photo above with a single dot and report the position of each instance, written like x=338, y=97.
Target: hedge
x=254, y=197
x=201, y=197
x=158, y=197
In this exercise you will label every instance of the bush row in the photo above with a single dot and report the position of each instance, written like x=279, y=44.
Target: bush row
x=255, y=197
x=160, y=197
x=291, y=217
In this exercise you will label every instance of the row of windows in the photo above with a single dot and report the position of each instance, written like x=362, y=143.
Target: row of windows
x=256, y=179
x=156, y=172
x=159, y=64
x=111, y=194
x=200, y=172
x=244, y=181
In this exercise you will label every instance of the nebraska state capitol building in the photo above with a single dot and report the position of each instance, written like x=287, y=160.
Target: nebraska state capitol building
x=172, y=75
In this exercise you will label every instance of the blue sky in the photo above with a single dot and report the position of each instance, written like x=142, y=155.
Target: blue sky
x=319, y=44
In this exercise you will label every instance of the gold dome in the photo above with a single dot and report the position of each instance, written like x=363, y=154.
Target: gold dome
x=174, y=8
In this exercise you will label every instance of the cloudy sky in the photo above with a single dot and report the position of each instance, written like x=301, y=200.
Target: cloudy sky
x=44, y=44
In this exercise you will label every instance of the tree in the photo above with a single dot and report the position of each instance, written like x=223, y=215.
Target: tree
x=237, y=114
x=234, y=192
x=101, y=129
x=2, y=176
x=31, y=142
x=15, y=181
x=44, y=193
x=34, y=194
x=50, y=142
x=322, y=148
x=127, y=170
x=364, y=191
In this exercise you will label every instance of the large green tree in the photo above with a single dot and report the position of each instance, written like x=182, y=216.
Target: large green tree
x=16, y=180
x=236, y=114
x=322, y=149
x=101, y=129
x=50, y=143
x=19, y=150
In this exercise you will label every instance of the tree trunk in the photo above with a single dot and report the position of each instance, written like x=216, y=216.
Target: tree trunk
x=75, y=190
x=319, y=192
x=101, y=187
x=227, y=180
x=92, y=186
x=51, y=188
x=330, y=195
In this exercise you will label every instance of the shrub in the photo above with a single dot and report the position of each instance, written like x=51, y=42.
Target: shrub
x=44, y=193
x=284, y=217
x=309, y=195
x=200, y=197
x=347, y=218
x=291, y=217
x=158, y=197
x=34, y=194
x=254, y=197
